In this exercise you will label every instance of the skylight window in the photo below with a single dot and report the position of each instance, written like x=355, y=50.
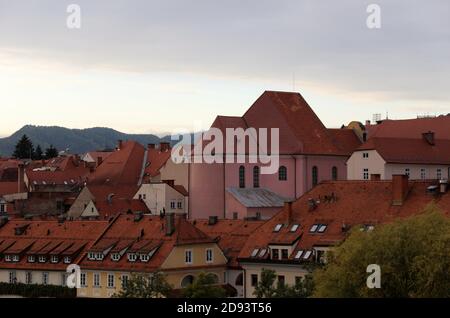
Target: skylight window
x=299, y=254
x=307, y=254
x=322, y=228
x=263, y=252
x=255, y=252
x=294, y=228
x=278, y=227
x=314, y=228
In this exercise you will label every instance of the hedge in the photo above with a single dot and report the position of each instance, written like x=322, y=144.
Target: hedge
x=36, y=290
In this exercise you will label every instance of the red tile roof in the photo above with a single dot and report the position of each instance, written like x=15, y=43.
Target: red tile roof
x=8, y=188
x=408, y=150
x=123, y=166
x=341, y=203
x=156, y=159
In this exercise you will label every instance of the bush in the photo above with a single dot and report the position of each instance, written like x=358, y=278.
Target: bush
x=36, y=290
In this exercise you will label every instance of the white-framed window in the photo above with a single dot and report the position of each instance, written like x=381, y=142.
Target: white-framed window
x=188, y=259
x=407, y=172
x=44, y=278
x=294, y=228
x=366, y=174
x=322, y=228
x=111, y=281
x=29, y=278
x=12, y=277
x=262, y=253
x=439, y=174
x=172, y=205
x=132, y=257
x=179, y=205
x=91, y=256
x=255, y=252
x=42, y=259
x=99, y=256
x=31, y=259
x=8, y=258
x=144, y=196
x=15, y=258
x=67, y=260
x=209, y=255
x=144, y=258
x=124, y=280
x=314, y=228
x=54, y=259
x=277, y=227
x=365, y=155
x=115, y=257
x=307, y=254
x=96, y=280
x=299, y=254
x=83, y=279
x=423, y=173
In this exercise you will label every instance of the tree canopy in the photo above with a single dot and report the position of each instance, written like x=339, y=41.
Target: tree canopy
x=413, y=255
x=204, y=286
x=146, y=286
x=51, y=152
x=24, y=148
x=266, y=287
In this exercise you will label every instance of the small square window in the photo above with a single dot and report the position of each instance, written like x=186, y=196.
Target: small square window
x=294, y=228
x=313, y=228
x=277, y=227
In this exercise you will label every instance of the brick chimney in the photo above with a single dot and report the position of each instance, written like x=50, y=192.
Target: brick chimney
x=428, y=137
x=399, y=189
x=164, y=146
x=289, y=212
x=150, y=146
x=21, y=178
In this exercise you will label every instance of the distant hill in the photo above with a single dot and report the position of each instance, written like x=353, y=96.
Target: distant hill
x=77, y=140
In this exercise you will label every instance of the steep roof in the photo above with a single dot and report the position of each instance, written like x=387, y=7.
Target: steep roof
x=123, y=166
x=338, y=204
x=8, y=188
x=156, y=159
x=409, y=150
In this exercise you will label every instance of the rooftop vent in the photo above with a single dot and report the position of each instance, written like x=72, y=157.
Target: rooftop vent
x=429, y=137
x=213, y=220
x=19, y=230
x=138, y=216
x=312, y=205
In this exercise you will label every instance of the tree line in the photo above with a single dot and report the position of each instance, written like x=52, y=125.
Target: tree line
x=25, y=150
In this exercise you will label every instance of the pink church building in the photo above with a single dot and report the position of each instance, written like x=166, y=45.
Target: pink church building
x=308, y=154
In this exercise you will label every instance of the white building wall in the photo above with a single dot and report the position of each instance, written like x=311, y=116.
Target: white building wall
x=357, y=163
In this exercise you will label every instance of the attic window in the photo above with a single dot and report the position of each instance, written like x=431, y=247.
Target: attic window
x=132, y=257
x=313, y=228
x=15, y=258
x=277, y=227
x=299, y=254
x=31, y=259
x=255, y=252
x=144, y=257
x=99, y=256
x=318, y=228
x=91, y=256
x=294, y=228
x=115, y=257
x=67, y=260
x=42, y=259
x=54, y=259
x=8, y=258
x=322, y=228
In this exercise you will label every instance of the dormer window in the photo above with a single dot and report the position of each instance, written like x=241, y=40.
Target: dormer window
x=275, y=254
x=255, y=252
x=8, y=258
x=42, y=259
x=91, y=256
x=115, y=257
x=99, y=256
x=144, y=258
x=294, y=228
x=67, y=260
x=31, y=259
x=132, y=257
x=54, y=259
x=15, y=258
x=277, y=227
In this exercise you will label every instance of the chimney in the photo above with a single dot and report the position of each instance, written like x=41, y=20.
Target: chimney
x=429, y=137
x=375, y=177
x=21, y=178
x=170, y=224
x=151, y=146
x=443, y=184
x=99, y=160
x=119, y=144
x=164, y=146
x=399, y=189
x=288, y=208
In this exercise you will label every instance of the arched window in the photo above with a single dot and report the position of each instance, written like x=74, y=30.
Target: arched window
x=241, y=177
x=187, y=280
x=282, y=173
x=315, y=176
x=334, y=173
x=256, y=177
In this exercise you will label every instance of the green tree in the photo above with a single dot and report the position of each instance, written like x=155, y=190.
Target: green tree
x=24, y=148
x=38, y=154
x=51, y=152
x=146, y=286
x=303, y=287
x=413, y=255
x=204, y=286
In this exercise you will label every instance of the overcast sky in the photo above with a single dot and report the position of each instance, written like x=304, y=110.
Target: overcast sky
x=154, y=66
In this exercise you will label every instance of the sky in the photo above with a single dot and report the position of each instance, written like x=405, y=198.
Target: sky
x=143, y=66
